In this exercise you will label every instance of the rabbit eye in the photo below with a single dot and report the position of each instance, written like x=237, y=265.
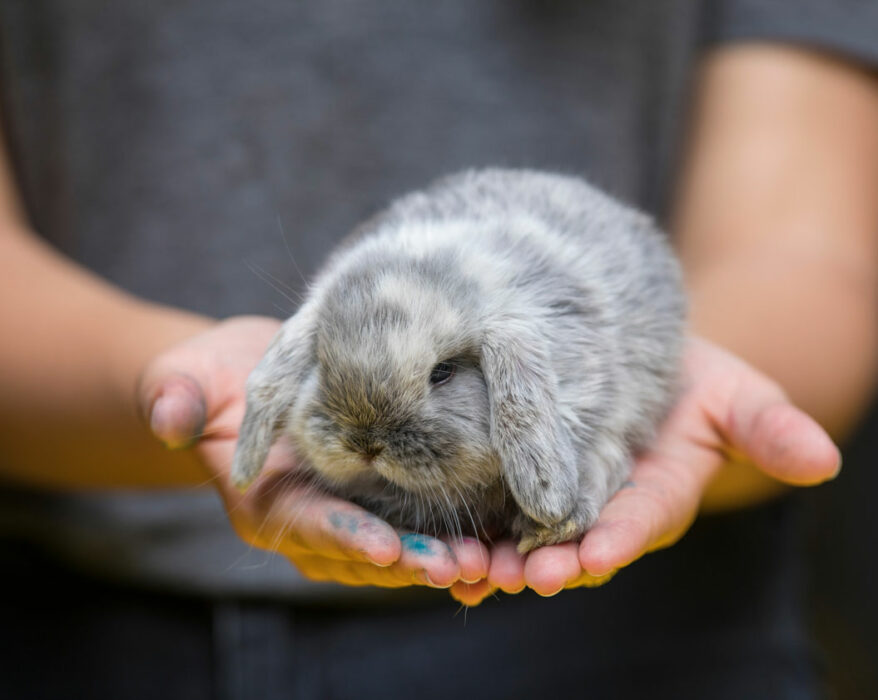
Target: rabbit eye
x=441, y=373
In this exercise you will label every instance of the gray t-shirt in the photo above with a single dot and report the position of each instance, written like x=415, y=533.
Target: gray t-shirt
x=159, y=143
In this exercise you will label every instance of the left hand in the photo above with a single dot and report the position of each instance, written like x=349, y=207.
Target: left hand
x=193, y=396
x=728, y=412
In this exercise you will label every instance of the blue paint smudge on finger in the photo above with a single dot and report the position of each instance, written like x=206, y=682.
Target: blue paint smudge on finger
x=344, y=521
x=417, y=544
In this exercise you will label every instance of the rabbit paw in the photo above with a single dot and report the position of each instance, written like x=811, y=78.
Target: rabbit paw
x=539, y=535
x=533, y=534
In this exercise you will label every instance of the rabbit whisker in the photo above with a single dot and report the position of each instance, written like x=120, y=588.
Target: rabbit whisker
x=283, y=235
x=264, y=276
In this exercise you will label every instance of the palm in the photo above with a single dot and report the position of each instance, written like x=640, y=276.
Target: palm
x=727, y=411
x=196, y=390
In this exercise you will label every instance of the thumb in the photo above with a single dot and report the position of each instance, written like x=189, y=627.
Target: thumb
x=781, y=440
x=175, y=408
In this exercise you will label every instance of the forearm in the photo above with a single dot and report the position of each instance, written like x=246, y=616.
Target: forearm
x=777, y=227
x=71, y=352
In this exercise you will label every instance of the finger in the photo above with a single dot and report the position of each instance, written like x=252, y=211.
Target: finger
x=782, y=441
x=506, y=570
x=426, y=560
x=661, y=498
x=281, y=511
x=548, y=570
x=301, y=518
x=175, y=409
x=754, y=417
x=471, y=594
x=653, y=511
x=321, y=569
x=472, y=557
x=318, y=568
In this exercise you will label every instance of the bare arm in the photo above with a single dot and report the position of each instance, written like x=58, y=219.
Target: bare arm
x=72, y=347
x=777, y=226
x=80, y=361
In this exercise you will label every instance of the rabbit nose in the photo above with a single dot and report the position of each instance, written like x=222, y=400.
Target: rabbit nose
x=371, y=452
x=366, y=446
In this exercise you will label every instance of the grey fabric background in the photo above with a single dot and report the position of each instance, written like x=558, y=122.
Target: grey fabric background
x=159, y=143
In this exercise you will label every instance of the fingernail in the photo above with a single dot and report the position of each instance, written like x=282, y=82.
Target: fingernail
x=164, y=424
x=177, y=417
x=549, y=595
x=470, y=581
x=430, y=583
x=838, y=468
x=376, y=563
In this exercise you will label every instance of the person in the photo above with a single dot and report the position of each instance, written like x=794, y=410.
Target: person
x=157, y=147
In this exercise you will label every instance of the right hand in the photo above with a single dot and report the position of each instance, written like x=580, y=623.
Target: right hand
x=193, y=398
x=728, y=416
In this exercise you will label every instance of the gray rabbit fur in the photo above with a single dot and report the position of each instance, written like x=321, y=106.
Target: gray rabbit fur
x=485, y=357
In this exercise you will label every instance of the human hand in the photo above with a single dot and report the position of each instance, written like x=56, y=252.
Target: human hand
x=193, y=397
x=728, y=412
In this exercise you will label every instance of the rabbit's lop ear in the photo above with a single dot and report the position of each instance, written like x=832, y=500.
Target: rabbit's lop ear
x=272, y=389
x=538, y=459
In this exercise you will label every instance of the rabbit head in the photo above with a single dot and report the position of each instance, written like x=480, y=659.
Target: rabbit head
x=396, y=376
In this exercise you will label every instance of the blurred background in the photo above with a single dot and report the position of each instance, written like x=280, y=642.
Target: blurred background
x=842, y=521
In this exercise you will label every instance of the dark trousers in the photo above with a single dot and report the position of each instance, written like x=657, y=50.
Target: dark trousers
x=715, y=617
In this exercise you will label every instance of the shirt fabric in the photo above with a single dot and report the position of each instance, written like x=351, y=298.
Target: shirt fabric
x=161, y=143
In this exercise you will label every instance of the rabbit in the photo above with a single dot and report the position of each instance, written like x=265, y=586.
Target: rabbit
x=485, y=356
